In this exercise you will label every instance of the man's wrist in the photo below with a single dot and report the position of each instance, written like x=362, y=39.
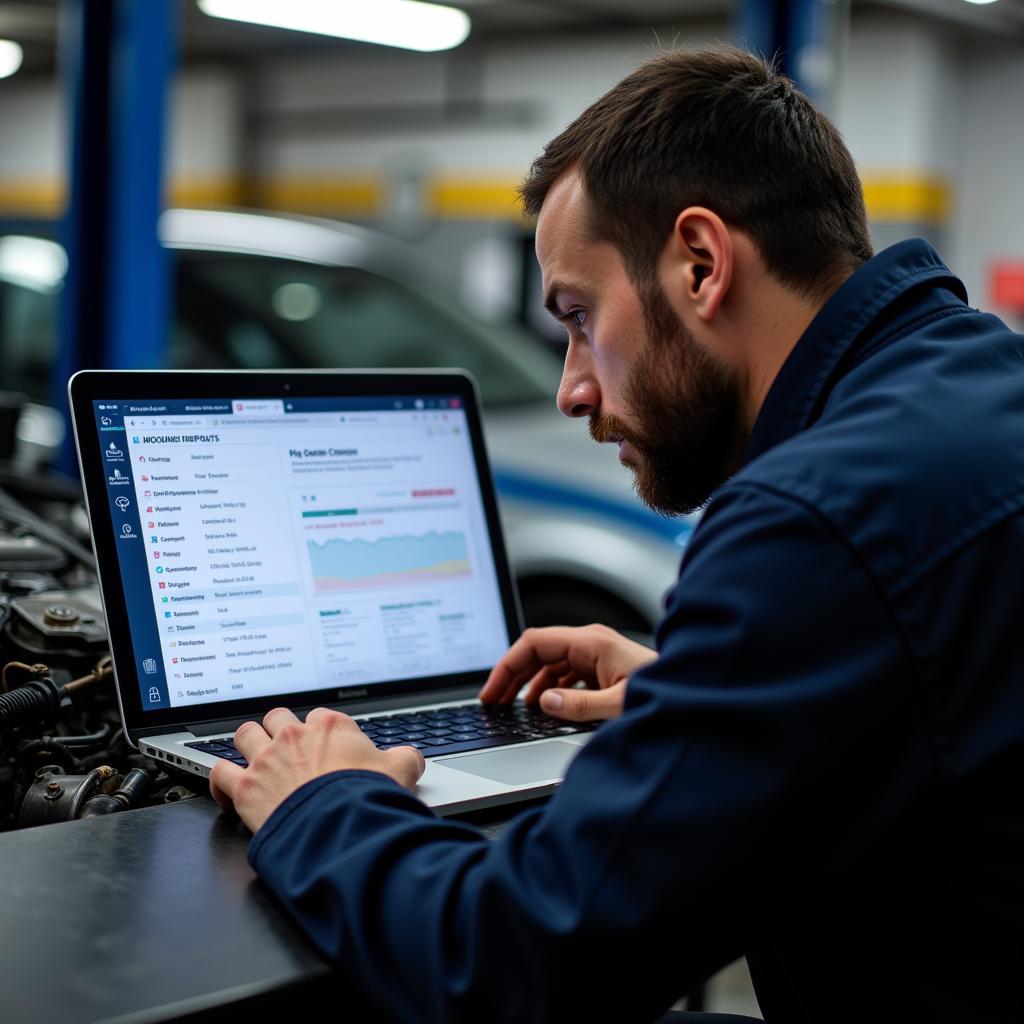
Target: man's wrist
x=299, y=797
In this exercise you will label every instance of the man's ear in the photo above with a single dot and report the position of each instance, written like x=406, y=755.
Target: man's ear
x=700, y=255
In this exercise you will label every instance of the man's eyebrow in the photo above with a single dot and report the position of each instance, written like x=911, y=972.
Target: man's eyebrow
x=551, y=302
x=551, y=297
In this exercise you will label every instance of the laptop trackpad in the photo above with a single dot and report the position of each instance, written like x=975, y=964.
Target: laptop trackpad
x=516, y=766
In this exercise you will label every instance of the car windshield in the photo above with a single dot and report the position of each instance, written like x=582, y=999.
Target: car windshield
x=266, y=312
x=237, y=310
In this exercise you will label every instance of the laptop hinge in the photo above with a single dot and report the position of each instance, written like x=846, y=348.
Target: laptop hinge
x=363, y=707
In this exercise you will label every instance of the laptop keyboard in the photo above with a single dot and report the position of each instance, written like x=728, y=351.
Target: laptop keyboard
x=444, y=730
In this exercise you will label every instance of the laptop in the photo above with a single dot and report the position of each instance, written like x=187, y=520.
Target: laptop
x=305, y=539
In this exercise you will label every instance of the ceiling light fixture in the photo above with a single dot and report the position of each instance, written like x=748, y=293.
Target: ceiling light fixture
x=981, y=1
x=11, y=56
x=409, y=24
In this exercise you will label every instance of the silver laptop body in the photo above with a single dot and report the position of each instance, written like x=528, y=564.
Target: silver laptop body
x=302, y=539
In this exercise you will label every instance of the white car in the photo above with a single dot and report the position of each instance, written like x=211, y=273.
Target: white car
x=256, y=290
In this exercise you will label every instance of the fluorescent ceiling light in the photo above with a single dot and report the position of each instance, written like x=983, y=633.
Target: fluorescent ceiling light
x=35, y=263
x=11, y=56
x=410, y=24
x=981, y=1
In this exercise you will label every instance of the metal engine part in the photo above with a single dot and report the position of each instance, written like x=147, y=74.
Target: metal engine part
x=57, y=796
x=29, y=554
x=63, y=755
x=55, y=620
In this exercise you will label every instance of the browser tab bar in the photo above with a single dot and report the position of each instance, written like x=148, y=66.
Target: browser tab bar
x=257, y=407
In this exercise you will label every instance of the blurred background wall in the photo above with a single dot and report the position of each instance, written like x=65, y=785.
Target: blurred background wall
x=430, y=146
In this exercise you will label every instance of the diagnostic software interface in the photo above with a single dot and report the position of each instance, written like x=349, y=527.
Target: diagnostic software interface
x=274, y=546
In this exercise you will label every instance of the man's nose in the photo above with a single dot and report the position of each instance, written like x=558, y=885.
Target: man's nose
x=578, y=393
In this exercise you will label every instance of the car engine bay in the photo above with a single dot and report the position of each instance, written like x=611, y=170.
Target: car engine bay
x=63, y=753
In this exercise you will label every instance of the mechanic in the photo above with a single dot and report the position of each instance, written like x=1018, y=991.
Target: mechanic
x=821, y=768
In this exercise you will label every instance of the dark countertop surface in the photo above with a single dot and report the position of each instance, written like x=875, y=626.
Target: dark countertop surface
x=149, y=915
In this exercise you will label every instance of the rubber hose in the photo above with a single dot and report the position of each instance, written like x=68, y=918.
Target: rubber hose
x=91, y=739
x=134, y=787
x=54, y=751
x=34, y=700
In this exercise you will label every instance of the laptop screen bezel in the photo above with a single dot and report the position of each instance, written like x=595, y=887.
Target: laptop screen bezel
x=89, y=386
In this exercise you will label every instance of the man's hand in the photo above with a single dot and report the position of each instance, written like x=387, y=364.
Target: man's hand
x=557, y=657
x=284, y=753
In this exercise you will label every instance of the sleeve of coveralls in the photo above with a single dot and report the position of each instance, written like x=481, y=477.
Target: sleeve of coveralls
x=757, y=758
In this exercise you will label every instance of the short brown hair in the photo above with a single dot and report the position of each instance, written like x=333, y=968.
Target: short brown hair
x=722, y=129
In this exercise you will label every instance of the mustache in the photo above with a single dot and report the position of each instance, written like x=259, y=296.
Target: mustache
x=605, y=428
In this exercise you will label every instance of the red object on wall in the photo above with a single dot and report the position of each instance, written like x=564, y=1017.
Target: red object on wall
x=1006, y=285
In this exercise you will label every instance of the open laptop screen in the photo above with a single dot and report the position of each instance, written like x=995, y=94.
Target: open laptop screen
x=271, y=546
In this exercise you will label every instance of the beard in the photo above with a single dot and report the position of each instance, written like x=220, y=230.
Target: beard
x=686, y=428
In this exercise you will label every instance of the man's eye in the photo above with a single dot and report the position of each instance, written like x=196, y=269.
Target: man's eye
x=576, y=317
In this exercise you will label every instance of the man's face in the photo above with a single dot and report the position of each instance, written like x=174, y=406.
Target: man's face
x=632, y=367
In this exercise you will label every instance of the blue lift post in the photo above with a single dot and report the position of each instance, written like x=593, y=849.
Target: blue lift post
x=805, y=36
x=116, y=61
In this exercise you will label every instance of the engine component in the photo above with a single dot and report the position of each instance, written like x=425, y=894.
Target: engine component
x=63, y=754
x=17, y=673
x=37, y=700
x=29, y=554
x=57, y=796
x=23, y=518
x=58, y=619
x=133, y=789
x=104, y=670
x=21, y=583
x=175, y=794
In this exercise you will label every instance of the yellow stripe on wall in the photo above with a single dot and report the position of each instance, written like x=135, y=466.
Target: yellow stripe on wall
x=473, y=198
x=32, y=198
x=338, y=195
x=907, y=199
x=206, y=192
x=47, y=199
x=341, y=195
x=890, y=198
